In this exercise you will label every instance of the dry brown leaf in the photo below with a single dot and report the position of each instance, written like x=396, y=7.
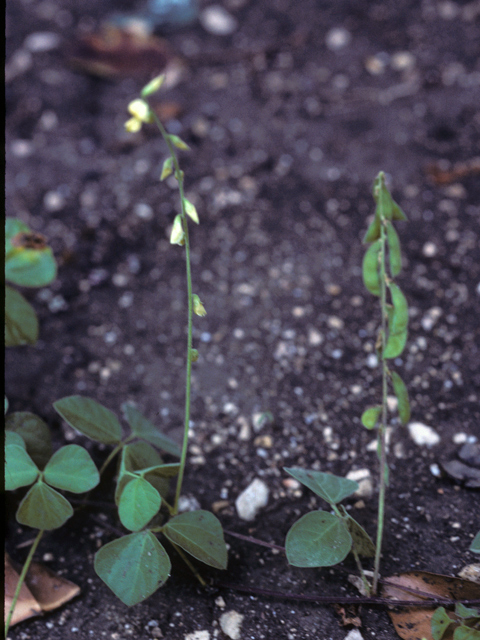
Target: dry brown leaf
x=114, y=52
x=348, y=615
x=413, y=623
x=26, y=606
x=50, y=590
x=42, y=590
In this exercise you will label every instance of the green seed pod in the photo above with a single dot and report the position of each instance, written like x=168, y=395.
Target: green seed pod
x=399, y=321
x=167, y=168
x=395, y=345
x=398, y=213
x=394, y=250
x=177, y=235
x=198, y=308
x=371, y=276
x=370, y=416
x=373, y=231
x=153, y=86
x=402, y=396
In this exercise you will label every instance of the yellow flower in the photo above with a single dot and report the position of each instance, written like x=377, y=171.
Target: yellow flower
x=133, y=125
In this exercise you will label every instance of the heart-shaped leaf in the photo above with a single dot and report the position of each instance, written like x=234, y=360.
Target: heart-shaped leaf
x=318, y=539
x=44, y=508
x=34, y=432
x=21, y=324
x=146, y=430
x=20, y=470
x=139, y=503
x=200, y=534
x=72, y=469
x=332, y=489
x=362, y=542
x=133, y=567
x=90, y=418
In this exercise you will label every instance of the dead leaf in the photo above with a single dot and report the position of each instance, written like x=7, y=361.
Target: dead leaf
x=115, y=52
x=50, y=590
x=413, y=623
x=348, y=615
x=26, y=606
x=42, y=590
x=442, y=173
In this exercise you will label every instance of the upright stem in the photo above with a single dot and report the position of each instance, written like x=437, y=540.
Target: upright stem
x=383, y=423
x=188, y=382
x=21, y=579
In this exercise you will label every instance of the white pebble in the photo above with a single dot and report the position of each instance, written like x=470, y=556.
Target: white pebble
x=143, y=211
x=230, y=622
x=53, y=201
x=429, y=249
x=315, y=338
x=251, y=500
x=402, y=60
x=21, y=148
x=435, y=470
x=354, y=634
x=41, y=41
x=460, y=438
x=423, y=435
x=216, y=20
x=198, y=635
x=337, y=38
x=188, y=503
x=471, y=572
x=365, y=484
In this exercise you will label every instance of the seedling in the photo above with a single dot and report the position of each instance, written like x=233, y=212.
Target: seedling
x=321, y=539
x=28, y=461
x=29, y=262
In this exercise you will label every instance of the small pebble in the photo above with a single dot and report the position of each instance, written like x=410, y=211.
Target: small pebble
x=435, y=470
x=21, y=148
x=41, y=41
x=216, y=20
x=230, y=622
x=53, y=201
x=364, y=479
x=337, y=38
x=423, y=435
x=188, y=503
x=402, y=60
x=252, y=499
x=143, y=211
x=198, y=635
x=471, y=572
x=354, y=634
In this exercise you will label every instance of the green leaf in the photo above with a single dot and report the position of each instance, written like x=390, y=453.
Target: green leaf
x=20, y=470
x=395, y=345
x=362, y=542
x=332, y=489
x=44, y=508
x=373, y=232
x=161, y=471
x=475, y=546
x=133, y=567
x=370, y=416
x=14, y=438
x=34, y=432
x=72, y=469
x=29, y=261
x=370, y=268
x=394, y=251
x=318, y=539
x=465, y=612
x=90, y=418
x=401, y=393
x=200, y=534
x=21, y=324
x=167, y=168
x=466, y=633
x=143, y=428
x=398, y=213
x=440, y=623
x=139, y=503
x=135, y=458
x=178, y=142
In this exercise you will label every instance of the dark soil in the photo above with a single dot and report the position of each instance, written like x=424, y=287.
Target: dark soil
x=285, y=144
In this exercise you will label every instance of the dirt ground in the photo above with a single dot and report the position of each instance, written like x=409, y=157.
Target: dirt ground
x=289, y=119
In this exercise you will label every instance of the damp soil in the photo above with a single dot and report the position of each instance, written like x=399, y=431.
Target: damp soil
x=288, y=123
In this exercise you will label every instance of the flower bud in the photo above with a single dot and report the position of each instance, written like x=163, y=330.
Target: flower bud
x=178, y=142
x=167, y=168
x=198, y=308
x=153, y=86
x=190, y=210
x=178, y=235
x=193, y=355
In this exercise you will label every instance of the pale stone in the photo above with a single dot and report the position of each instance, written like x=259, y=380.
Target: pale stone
x=354, y=634
x=198, y=635
x=230, y=622
x=365, y=484
x=471, y=572
x=250, y=501
x=423, y=435
x=215, y=19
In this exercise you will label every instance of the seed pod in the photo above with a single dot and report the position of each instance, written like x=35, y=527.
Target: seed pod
x=402, y=396
x=371, y=276
x=394, y=250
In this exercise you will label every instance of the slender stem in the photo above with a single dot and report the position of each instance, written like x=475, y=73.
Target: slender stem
x=21, y=579
x=188, y=382
x=383, y=423
x=189, y=564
